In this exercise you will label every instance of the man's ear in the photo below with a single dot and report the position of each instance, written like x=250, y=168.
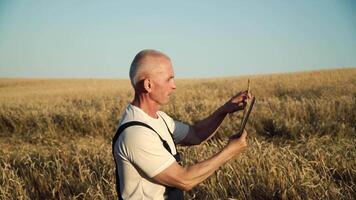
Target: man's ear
x=147, y=85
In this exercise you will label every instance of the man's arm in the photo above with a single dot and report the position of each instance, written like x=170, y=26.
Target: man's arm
x=206, y=128
x=186, y=178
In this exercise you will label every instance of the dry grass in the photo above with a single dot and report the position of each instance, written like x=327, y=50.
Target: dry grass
x=55, y=136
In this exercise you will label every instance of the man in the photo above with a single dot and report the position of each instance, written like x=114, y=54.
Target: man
x=145, y=154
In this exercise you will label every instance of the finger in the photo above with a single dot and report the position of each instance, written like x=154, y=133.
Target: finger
x=242, y=105
x=238, y=99
x=238, y=94
x=241, y=93
x=244, y=134
x=246, y=94
x=242, y=97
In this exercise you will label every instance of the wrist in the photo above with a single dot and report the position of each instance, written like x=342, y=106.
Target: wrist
x=229, y=151
x=221, y=111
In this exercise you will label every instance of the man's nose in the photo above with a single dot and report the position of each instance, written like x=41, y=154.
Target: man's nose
x=174, y=85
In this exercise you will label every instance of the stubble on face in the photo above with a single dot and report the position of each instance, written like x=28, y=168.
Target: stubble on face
x=162, y=87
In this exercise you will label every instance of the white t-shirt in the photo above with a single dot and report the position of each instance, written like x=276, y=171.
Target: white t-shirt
x=140, y=154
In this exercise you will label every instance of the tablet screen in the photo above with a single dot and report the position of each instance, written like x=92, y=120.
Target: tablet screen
x=245, y=118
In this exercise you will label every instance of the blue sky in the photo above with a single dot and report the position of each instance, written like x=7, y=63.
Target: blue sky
x=98, y=39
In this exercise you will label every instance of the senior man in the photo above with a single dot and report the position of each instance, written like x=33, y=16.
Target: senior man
x=144, y=146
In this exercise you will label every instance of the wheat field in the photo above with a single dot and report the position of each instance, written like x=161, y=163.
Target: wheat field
x=55, y=136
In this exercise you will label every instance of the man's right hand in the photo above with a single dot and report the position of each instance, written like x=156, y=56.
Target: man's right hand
x=238, y=145
x=188, y=177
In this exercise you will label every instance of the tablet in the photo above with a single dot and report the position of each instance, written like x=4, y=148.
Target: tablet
x=245, y=118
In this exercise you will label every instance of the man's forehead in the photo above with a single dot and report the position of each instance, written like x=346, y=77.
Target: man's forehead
x=164, y=68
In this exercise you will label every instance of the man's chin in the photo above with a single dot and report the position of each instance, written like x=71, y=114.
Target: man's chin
x=165, y=102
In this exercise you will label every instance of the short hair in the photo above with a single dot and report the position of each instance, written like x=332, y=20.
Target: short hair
x=140, y=67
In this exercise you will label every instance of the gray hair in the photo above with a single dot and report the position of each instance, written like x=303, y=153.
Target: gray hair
x=139, y=67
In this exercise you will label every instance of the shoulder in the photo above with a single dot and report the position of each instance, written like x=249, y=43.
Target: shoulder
x=137, y=134
x=134, y=138
x=130, y=114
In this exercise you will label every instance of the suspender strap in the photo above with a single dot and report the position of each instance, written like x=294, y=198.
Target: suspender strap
x=165, y=144
x=138, y=123
x=170, y=133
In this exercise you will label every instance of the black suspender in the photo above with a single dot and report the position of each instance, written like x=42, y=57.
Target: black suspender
x=164, y=142
x=138, y=123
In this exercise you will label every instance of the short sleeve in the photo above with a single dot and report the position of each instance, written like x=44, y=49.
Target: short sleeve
x=143, y=148
x=179, y=129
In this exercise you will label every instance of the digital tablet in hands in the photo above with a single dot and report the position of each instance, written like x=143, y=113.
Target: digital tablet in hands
x=245, y=118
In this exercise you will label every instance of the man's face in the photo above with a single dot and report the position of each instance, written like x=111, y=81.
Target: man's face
x=163, y=83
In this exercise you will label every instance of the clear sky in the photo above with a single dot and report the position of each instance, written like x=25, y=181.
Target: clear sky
x=98, y=39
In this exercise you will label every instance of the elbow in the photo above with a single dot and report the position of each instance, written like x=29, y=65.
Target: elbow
x=196, y=140
x=186, y=187
x=184, y=183
x=183, y=178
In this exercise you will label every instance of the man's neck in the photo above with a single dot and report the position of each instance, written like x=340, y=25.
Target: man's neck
x=146, y=104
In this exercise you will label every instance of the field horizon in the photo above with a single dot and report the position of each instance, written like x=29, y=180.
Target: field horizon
x=187, y=79
x=56, y=136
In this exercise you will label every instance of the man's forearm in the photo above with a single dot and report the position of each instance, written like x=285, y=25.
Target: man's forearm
x=205, y=128
x=187, y=177
x=197, y=173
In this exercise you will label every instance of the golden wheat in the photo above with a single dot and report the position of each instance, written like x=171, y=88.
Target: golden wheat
x=55, y=136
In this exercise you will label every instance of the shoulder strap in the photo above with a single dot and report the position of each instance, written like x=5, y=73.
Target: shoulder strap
x=170, y=133
x=121, y=128
x=138, y=123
